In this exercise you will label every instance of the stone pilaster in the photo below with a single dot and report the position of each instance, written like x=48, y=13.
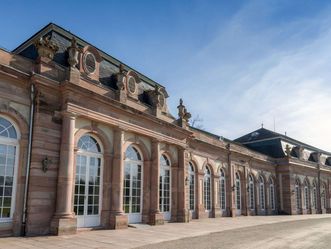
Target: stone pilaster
x=118, y=219
x=182, y=210
x=106, y=195
x=201, y=212
x=64, y=221
x=216, y=205
x=155, y=217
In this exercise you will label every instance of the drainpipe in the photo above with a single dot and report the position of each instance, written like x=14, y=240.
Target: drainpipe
x=28, y=164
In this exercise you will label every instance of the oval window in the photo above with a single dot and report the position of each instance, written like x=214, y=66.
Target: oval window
x=89, y=63
x=132, y=85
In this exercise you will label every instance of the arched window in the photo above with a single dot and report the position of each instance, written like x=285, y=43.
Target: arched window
x=88, y=183
x=298, y=194
x=238, y=192
x=8, y=167
x=306, y=195
x=272, y=194
x=222, y=190
x=251, y=198
x=164, y=190
x=191, y=176
x=323, y=196
x=207, y=189
x=132, y=191
x=314, y=196
x=262, y=193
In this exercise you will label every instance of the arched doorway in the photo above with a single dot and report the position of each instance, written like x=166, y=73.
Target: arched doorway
x=164, y=189
x=87, y=199
x=251, y=194
x=191, y=177
x=272, y=194
x=9, y=148
x=132, y=191
x=222, y=190
x=261, y=193
x=298, y=195
x=207, y=189
x=306, y=195
x=238, y=194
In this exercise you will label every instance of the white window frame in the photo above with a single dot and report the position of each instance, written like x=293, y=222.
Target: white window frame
x=136, y=162
x=306, y=196
x=207, y=195
x=298, y=195
x=191, y=175
x=88, y=155
x=262, y=193
x=222, y=190
x=314, y=196
x=12, y=142
x=238, y=192
x=251, y=194
x=323, y=197
x=164, y=168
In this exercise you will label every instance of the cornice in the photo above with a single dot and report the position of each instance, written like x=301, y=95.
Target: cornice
x=68, y=86
x=84, y=112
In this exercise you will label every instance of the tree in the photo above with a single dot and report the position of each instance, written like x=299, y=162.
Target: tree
x=197, y=122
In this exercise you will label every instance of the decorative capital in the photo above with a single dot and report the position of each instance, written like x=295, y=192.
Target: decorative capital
x=46, y=47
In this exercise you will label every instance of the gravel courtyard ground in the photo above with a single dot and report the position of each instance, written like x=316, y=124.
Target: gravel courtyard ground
x=293, y=234
x=301, y=231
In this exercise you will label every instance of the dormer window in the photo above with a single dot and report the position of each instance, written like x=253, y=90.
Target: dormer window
x=132, y=85
x=89, y=63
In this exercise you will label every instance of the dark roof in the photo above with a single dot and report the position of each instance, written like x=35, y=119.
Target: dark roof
x=257, y=135
x=205, y=132
x=260, y=137
x=62, y=38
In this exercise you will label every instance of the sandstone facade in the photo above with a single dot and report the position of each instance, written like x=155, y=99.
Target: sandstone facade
x=96, y=146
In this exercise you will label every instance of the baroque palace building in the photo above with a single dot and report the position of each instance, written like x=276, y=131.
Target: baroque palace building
x=87, y=141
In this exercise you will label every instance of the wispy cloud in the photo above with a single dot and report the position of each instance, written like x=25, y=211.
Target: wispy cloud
x=252, y=72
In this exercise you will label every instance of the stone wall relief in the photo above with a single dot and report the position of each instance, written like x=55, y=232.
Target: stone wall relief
x=157, y=97
x=171, y=151
x=46, y=48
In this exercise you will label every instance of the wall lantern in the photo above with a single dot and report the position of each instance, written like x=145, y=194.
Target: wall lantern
x=45, y=164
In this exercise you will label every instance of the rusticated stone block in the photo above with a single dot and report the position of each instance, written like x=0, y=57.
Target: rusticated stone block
x=63, y=226
x=118, y=221
x=156, y=219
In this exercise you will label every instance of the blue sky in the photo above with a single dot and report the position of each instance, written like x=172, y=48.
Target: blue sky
x=236, y=64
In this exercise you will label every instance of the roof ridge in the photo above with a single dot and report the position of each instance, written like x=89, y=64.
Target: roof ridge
x=285, y=137
x=57, y=28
